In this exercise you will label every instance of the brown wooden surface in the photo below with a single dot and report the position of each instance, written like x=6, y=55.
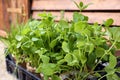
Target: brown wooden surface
x=22, y=5
x=1, y=15
x=69, y=4
x=93, y=17
x=12, y=12
x=25, y=5
x=100, y=10
x=27, y=12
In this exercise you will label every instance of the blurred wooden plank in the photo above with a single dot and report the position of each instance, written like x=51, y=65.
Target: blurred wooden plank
x=4, y=21
x=1, y=16
x=15, y=10
x=20, y=6
x=25, y=6
x=69, y=4
x=93, y=16
x=14, y=19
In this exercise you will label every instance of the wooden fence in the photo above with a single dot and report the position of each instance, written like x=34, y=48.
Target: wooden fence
x=12, y=11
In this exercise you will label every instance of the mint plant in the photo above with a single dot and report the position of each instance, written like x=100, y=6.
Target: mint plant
x=62, y=48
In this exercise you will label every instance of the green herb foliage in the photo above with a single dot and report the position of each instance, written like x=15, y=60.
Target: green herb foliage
x=55, y=48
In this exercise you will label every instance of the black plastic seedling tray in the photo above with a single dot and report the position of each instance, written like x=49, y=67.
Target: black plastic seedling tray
x=18, y=71
x=23, y=74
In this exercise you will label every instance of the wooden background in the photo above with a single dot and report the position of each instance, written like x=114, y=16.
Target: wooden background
x=99, y=11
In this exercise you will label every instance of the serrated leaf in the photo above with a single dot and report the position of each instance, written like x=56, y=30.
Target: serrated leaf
x=65, y=46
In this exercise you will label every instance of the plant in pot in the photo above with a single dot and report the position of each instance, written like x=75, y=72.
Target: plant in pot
x=68, y=51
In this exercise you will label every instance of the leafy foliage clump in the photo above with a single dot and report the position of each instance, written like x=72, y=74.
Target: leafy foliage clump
x=55, y=48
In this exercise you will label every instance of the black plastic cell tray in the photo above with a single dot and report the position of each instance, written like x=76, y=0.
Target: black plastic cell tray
x=18, y=71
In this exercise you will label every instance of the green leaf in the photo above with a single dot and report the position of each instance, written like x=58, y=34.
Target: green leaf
x=99, y=51
x=64, y=24
x=85, y=6
x=112, y=61
x=68, y=58
x=113, y=77
x=117, y=45
x=18, y=37
x=80, y=26
x=48, y=69
x=45, y=59
x=79, y=17
x=34, y=39
x=71, y=59
x=53, y=43
x=82, y=58
x=26, y=45
x=91, y=60
x=97, y=74
x=81, y=4
x=55, y=77
x=75, y=61
x=65, y=46
x=25, y=30
x=19, y=45
x=41, y=51
x=108, y=22
x=76, y=4
x=80, y=44
x=89, y=47
x=61, y=61
x=110, y=71
x=115, y=33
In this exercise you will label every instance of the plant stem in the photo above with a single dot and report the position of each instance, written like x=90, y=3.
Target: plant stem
x=103, y=76
x=85, y=76
x=104, y=55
